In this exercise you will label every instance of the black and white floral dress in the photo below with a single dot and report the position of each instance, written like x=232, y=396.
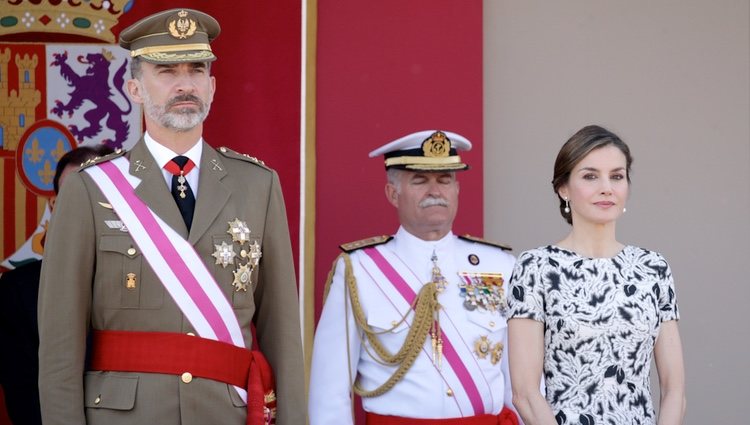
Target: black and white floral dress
x=601, y=318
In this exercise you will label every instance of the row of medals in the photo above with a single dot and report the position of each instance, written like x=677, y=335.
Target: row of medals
x=484, y=291
x=250, y=252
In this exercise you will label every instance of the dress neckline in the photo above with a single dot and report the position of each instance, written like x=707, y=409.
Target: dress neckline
x=583, y=257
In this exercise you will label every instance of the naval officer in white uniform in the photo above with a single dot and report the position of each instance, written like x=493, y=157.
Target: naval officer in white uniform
x=419, y=316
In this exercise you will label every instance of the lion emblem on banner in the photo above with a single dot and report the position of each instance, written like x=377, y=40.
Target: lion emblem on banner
x=94, y=86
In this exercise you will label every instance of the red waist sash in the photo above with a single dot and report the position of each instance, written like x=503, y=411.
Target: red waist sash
x=506, y=417
x=175, y=354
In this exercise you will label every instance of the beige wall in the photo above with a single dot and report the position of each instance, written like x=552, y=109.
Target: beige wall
x=672, y=78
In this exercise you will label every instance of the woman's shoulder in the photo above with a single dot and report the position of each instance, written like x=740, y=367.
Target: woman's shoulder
x=634, y=251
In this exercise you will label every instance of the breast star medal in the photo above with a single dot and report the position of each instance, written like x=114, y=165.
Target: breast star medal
x=239, y=231
x=224, y=254
x=253, y=255
x=241, y=278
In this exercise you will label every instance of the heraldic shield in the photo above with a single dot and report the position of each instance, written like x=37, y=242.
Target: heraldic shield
x=55, y=97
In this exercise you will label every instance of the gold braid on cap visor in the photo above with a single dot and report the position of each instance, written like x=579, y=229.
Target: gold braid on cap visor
x=170, y=48
x=421, y=160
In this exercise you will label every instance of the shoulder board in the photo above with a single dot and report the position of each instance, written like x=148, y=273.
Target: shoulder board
x=364, y=243
x=99, y=159
x=485, y=242
x=229, y=153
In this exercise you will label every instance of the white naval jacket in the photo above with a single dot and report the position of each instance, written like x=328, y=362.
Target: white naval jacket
x=426, y=391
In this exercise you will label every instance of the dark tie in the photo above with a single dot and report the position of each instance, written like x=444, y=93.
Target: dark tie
x=180, y=166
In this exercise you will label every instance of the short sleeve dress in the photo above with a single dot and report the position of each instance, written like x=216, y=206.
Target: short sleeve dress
x=601, y=318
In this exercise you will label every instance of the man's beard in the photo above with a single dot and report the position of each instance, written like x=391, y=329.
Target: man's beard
x=181, y=119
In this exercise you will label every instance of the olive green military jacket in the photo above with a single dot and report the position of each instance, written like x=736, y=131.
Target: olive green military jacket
x=84, y=285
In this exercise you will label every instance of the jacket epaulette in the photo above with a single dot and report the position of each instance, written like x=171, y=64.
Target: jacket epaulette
x=99, y=159
x=485, y=242
x=364, y=243
x=229, y=153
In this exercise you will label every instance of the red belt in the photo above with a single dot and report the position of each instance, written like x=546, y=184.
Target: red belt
x=175, y=354
x=506, y=417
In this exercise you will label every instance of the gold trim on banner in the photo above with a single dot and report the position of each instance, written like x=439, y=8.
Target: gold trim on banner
x=308, y=280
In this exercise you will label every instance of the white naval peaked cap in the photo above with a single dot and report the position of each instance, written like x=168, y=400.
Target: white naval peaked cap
x=429, y=150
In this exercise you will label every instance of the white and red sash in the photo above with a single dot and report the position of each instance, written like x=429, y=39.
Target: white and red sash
x=174, y=260
x=458, y=357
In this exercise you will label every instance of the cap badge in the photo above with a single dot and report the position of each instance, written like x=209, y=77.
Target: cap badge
x=437, y=145
x=182, y=27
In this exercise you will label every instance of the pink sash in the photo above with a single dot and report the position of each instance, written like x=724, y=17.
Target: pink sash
x=451, y=356
x=174, y=260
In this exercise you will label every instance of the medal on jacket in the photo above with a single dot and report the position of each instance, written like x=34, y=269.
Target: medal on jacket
x=483, y=291
x=251, y=253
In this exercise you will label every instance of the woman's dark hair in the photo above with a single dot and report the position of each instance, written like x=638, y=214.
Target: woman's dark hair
x=77, y=157
x=582, y=143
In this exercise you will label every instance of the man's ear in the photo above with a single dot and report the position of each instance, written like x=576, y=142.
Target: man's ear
x=391, y=194
x=135, y=88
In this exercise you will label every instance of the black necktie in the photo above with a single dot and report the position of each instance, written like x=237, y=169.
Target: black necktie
x=181, y=191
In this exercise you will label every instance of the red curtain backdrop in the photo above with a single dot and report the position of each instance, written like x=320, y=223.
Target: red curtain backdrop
x=256, y=109
x=385, y=69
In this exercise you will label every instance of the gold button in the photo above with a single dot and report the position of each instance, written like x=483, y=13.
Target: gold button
x=98, y=399
x=131, y=251
x=394, y=323
x=492, y=324
x=190, y=334
x=449, y=393
x=187, y=377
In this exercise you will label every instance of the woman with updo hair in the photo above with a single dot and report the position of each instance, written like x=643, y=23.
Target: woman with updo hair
x=589, y=313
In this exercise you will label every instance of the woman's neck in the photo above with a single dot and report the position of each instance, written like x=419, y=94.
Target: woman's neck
x=593, y=241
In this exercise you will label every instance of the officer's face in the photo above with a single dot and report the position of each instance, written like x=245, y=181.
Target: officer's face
x=427, y=202
x=175, y=96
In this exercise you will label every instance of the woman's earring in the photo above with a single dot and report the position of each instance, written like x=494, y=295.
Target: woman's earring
x=567, y=206
x=624, y=210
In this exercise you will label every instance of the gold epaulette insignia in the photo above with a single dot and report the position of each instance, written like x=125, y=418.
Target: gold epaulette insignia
x=485, y=242
x=99, y=159
x=364, y=243
x=241, y=156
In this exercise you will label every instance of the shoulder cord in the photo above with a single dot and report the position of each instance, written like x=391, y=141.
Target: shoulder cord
x=425, y=307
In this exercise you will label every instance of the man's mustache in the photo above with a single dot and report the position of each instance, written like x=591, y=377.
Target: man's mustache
x=433, y=202
x=184, y=98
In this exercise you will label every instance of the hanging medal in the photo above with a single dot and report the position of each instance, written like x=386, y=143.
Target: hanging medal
x=483, y=290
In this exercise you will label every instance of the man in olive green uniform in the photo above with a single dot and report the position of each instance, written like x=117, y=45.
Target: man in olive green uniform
x=167, y=287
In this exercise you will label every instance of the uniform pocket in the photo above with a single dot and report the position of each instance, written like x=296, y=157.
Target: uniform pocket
x=107, y=390
x=488, y=321
x=126, y=282
x=386, y=321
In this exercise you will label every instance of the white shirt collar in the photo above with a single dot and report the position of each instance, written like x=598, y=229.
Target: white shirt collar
x=409, y=243
x=162, y=154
